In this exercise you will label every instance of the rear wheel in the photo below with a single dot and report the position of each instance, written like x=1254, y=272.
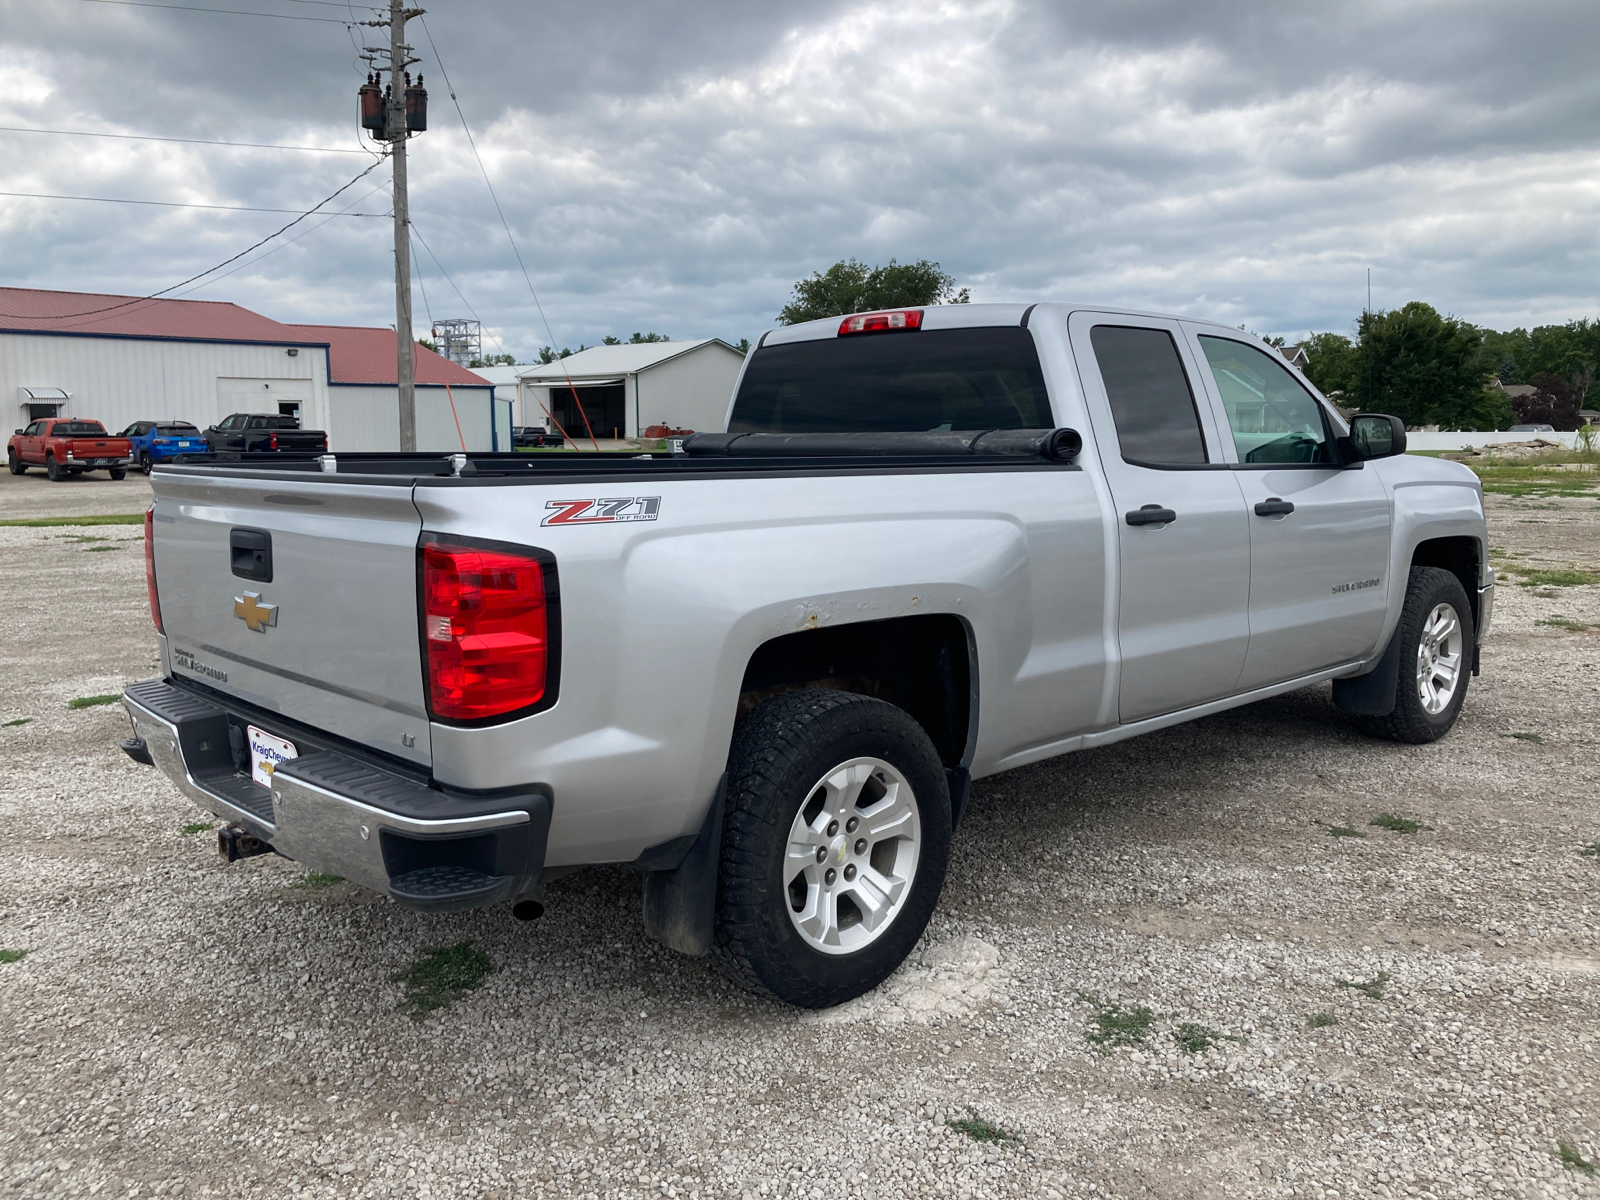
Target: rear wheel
x=834, y=847
x=55, y=473
x=16, y=464
x=118, y=472
x=1436, y=639
x=144, y=461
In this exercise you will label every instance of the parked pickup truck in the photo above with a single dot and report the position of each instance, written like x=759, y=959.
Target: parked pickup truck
x=264, y=432
x=66, y=446
x=932, y=545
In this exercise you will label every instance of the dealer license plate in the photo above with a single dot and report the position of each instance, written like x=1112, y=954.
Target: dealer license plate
x=267, y=754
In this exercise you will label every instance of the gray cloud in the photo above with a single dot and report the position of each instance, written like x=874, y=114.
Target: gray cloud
x=677, y=167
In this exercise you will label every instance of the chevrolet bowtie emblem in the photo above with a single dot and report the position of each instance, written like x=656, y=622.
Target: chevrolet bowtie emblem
x=249, y=609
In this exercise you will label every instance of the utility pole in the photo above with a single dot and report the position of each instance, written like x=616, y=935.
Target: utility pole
x=404, y=111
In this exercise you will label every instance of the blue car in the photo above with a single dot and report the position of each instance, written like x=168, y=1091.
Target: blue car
x=158, y=441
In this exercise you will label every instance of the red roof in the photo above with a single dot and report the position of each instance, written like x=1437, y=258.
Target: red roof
x=30, y=309
x=357, y=355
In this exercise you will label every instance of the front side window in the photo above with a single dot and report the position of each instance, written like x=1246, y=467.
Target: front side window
x=1151, y=402
x=965, y=379
x=1273, y=418
x=230, y=423
x=33, y=430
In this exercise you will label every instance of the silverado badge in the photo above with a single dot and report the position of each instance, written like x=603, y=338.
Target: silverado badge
x=249, y=609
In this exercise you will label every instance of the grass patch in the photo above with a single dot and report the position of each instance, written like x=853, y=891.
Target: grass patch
x=1398, y=824
x=1197, y=1039
x=1567, y=1154
x=197, y=827
x=60, y=522
x=442, y=977
x=1592, y=850
x=1566, y=623
x=1535, y=738
x=18, y=721
x=1548, y=475
x=1342, y=831
x=93, y=701
x=1554, y=579
x=981, y=1129
x=13, y=955
x=312, y=881
x=81, y=537
x=1117, y=1026
x=1372, y=989
x=99, y=549
x=1321, y=1020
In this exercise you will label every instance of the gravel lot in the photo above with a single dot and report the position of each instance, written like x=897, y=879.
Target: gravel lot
x=181, y=1027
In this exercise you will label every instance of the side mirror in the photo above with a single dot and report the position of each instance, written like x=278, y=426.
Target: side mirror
x=1376, y=435
x=16, y=431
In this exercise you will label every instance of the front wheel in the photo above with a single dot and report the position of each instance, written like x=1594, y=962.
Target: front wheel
x=834, y=846
x=16, y=464
x=1436, y=637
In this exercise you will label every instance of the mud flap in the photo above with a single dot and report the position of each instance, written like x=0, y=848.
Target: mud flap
x=1372, y=694
x=680, y=903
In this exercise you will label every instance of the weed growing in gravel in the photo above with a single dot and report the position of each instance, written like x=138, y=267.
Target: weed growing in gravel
x=1341, y=830
x=1196, y=1039
x=81, y=537
x=980, y=1129
x=1526, y=737
x=12, y=955
x=1372, y=988
x=92, y=701
x=1566, y=623
x=57, y=522
x=442, y=977
x=1398, y=824
x=312, y=880
x=1321, y=1020
x=96, y=549
x=1567, y=1153
x=1116, y=1026
x=18, y=721
x=1528, y=578
x=1592, y=850
x=197, y=827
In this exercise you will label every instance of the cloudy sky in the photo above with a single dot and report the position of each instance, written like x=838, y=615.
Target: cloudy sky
x=677, y=166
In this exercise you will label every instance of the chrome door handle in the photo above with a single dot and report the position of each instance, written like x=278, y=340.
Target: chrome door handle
x=1151, y=514
x=1273, y=507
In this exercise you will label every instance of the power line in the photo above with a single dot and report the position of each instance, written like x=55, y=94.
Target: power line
x=209, y=270
x=150, y=137
x=173, y=203
x=462, y=295
x=234, y=12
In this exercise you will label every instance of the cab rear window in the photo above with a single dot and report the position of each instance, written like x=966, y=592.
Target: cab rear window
x=895, y=383
x=78, y=429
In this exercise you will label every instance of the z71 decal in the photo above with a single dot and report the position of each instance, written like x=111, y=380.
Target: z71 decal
x=602, y=512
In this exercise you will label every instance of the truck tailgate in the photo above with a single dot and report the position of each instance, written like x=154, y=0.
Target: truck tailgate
x=331, y=638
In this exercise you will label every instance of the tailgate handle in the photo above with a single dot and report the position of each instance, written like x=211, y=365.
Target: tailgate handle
x=251, y=553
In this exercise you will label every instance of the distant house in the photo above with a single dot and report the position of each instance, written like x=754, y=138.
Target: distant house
x=121, y=359
x=1295, y=356
x=619, y=391
x=1515, y=391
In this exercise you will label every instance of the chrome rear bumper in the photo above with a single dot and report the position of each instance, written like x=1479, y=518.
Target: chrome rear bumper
x=428, y=848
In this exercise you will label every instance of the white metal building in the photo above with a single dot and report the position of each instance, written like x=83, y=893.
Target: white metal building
x=623, y=390
x=121, y=359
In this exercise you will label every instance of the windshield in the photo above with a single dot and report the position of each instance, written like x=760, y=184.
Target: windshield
x=78, y=428
x=895, y=383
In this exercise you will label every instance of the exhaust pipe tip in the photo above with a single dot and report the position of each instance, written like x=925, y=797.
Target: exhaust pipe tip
x=527, y=910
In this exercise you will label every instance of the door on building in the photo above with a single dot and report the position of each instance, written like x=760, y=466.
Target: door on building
x=1319, y=532
x=605, y=406
x=1184, y=537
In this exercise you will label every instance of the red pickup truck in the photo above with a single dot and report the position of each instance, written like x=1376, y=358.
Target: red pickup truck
x=66, y=446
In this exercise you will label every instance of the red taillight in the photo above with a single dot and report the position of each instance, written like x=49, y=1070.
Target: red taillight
x=486, y=626
x=272, y=441
x=150, y=566
x=881, y=322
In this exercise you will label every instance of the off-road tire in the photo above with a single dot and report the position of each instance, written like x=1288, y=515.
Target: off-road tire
x=779, y=753
x=117, y=472
x=51, y=469
x=16, y=464
x=1409, y=721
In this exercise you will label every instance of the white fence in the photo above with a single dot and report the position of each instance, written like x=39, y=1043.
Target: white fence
x=1474, y=439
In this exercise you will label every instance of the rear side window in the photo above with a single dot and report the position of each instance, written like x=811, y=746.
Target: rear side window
x=895, y=383
x=1151, y=400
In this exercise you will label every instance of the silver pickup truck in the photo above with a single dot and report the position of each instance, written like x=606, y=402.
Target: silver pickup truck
x=931, y=545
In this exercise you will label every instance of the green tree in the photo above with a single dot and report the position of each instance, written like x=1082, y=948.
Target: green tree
x=744, y=345
x=851, y=287
x=427, y=345
x=1331, y=365
x=610, y=340
x=1424, y=368
x=640, y=339
x=495, y=360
